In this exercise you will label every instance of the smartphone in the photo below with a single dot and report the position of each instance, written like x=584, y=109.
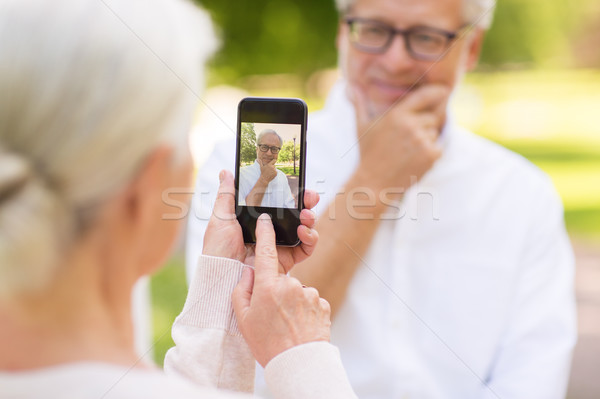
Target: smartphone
x=270, y=165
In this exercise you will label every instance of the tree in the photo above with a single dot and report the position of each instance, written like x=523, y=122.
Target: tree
x=248, y=143
x=273, y=37
x=534, y=32
x=263, y=37
x=287, y=152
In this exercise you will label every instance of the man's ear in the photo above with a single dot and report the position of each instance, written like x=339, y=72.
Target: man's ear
x=475, y=46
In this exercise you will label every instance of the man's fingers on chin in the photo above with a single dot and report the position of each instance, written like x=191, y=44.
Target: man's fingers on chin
x=428, y=98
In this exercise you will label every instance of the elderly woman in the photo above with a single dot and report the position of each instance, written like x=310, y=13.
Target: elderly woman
x=96, y=97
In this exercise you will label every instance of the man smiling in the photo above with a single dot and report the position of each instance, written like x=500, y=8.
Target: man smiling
x=261, y=184
x=444, y=256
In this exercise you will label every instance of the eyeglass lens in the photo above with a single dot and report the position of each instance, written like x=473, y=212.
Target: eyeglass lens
x=374, y=36
x=265, y=148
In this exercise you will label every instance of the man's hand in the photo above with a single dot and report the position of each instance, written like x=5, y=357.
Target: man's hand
x=396, y=149
x=224, y=234
x=400, y=144
x=268, y=171
x=274, y=311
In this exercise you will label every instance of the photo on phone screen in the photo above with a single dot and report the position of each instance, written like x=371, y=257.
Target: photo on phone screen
x=269, y=157
x=270, y=154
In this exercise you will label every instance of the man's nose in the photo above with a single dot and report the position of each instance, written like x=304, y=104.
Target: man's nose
x=397, y=57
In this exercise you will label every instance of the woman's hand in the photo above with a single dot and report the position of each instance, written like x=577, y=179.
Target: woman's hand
x=224, y=235
x=276, y=312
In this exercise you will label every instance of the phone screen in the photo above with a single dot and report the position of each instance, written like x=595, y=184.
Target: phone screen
x=270, y=153
x=270, y=165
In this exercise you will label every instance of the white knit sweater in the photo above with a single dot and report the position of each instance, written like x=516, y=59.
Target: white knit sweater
x=210, y=359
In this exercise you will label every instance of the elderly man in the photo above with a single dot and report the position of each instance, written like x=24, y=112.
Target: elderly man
x=443, y=255
x=261, y=184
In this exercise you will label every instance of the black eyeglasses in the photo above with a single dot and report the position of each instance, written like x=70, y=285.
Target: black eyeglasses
x=265, y=148
x=422, y=43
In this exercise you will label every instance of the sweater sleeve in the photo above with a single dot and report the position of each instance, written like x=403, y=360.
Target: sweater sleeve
x=312, y=370
x=209, y=349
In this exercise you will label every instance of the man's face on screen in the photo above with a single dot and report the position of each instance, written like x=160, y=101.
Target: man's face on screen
x=270, y=140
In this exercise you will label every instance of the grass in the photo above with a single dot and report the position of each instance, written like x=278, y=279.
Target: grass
x=169, y=290
x=288, y=170
x=575, y=173
x=551, y=118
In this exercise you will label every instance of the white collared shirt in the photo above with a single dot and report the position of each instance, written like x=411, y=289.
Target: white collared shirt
x=278, y=193
x=467, y=292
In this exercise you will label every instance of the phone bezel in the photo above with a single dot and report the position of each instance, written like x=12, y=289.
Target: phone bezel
x=272, y=110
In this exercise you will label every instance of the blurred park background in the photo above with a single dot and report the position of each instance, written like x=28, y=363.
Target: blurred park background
x=536, y=91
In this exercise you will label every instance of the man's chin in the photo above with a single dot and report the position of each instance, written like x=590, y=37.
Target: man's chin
x=382, y=98
x=377, y=108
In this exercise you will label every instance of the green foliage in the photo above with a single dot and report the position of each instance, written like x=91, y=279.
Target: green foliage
x=273, y=36
x=298, y=37
x=169, y=289
x=533, y=32
x=575, y=170
x=287, y=152
x=288, y=170
x=248, y=143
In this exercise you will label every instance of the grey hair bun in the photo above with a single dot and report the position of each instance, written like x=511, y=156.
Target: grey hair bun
x=35, y=224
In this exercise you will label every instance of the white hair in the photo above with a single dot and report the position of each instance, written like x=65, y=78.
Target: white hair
x=269, y=131
x=88, y=89
x=477, y=12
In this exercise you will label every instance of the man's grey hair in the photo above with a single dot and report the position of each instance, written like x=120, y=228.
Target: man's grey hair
x=477, y=12
x=264, y=132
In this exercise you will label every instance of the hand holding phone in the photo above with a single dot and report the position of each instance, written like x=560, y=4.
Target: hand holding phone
x=274, y=311
x=224, y=237
x=270, y=165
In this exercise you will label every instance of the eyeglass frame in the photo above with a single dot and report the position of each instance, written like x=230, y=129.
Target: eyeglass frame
x=269, y=148
x=393, y=32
